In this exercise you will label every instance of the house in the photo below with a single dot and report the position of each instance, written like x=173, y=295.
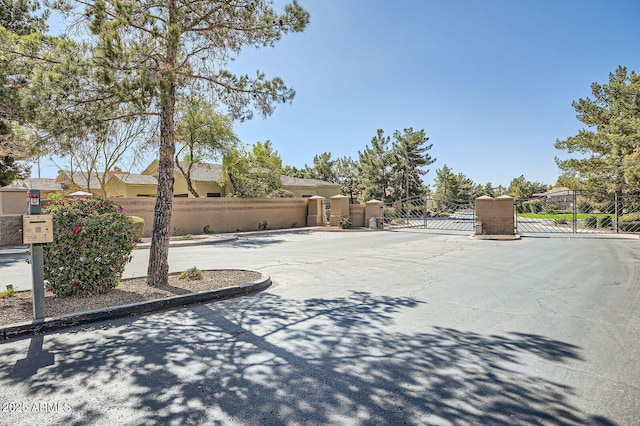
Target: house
x=561, y=197
x=306, y=188
x=45, y=185
x=81, y=181
x=207, y=179
x=130, y=185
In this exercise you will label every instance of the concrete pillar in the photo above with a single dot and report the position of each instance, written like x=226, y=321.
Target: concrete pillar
x=496, y=215
x=314, y=211
x=356, y=213
x=373, y=208
x=339, y=209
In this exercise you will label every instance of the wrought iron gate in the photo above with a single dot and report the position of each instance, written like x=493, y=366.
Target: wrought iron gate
x=569, y=211
x=428, y=212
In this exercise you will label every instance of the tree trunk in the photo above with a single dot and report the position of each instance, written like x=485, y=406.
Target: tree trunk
x=158, y=270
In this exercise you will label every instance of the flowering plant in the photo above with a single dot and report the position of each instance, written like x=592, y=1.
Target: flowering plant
x=92, y=243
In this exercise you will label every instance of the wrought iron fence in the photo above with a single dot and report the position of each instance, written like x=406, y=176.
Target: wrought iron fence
x=572, y=211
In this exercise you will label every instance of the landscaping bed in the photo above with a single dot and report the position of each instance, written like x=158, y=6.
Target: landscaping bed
x=19, y=308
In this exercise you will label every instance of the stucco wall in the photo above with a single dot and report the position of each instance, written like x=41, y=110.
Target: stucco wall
x=10, y=227
x=13, y=201
x=356, y=212
x=191, y=215
x=496, y=215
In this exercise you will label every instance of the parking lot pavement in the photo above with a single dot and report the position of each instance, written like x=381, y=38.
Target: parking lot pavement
x=359, y=328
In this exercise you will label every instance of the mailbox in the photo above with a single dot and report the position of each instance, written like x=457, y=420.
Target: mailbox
x=37, y=228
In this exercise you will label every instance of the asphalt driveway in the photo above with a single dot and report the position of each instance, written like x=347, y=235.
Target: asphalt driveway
x=359, y=328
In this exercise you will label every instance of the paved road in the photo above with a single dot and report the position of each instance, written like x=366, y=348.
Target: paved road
x=359, y=328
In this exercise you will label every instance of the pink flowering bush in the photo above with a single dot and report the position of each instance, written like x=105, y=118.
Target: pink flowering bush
x=92, y=243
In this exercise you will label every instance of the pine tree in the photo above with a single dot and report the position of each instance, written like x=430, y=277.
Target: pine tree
x=149, y=51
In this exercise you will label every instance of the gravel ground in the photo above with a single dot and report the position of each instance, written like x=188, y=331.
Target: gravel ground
x=19, y=308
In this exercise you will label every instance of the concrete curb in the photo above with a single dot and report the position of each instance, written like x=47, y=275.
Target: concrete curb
x=16, y=331
x=191, y=242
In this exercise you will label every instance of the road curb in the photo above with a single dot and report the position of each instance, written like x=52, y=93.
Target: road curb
x=17, y=331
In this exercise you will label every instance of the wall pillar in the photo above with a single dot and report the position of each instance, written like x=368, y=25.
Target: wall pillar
x=496, y=215
x=373, y=208
x=339, y=209
x=314, y=211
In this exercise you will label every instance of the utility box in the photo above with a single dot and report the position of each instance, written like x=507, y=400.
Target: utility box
x=478, y=228
x=37, y=228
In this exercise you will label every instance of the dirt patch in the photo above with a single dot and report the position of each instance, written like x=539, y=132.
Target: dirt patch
x=19, y=308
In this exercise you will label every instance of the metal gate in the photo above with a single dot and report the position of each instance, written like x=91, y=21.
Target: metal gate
x=568, y=211
x=326, y=211
x=428, y=212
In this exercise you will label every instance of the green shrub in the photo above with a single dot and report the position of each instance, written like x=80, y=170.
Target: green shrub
x=590, y=222
x=560, y=221
x=584, y=207
x=535, y=208
x=263, y=226
x=551, y=209
x=191, y=274
x=605, y=222
x=345, y=223
x=280, y=193
x=92, y=243
x=207, y=230
x=629, y=222
x=138, y=227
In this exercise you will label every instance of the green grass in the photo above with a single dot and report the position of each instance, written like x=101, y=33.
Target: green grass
x=568, y=216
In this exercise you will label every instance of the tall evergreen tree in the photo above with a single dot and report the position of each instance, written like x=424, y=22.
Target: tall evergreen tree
x=347, y=176
x=609, y=149
x=148, y=51
x=410, y=156
x=521, y=188
x=374, y=167
x=323, y=168
x=452, y=186
x=18, y=19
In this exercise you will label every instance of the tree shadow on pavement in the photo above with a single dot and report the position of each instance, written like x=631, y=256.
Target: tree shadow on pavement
x=254, y=242
x=268, y=360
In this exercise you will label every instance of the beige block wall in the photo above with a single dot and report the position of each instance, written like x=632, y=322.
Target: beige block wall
x=356, y=213
x=191, y=215
x=10, y=230
x=496, y=215
x=13, y=201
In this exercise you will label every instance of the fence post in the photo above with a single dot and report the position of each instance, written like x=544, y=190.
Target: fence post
x=575, y=212
x=616, y=207
x=314, y=211
x=339, y=209
x=373, y=209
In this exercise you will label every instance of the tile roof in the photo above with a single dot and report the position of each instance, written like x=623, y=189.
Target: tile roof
x=295, y=181
x=46, y=184
x=204, y=172
x=136, y=179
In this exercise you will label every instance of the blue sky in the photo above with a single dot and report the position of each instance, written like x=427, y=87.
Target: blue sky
x=491, y=82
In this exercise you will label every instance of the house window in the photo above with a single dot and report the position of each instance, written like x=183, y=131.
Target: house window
x=213, y=194
x=180, y=195
x=306, y=196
